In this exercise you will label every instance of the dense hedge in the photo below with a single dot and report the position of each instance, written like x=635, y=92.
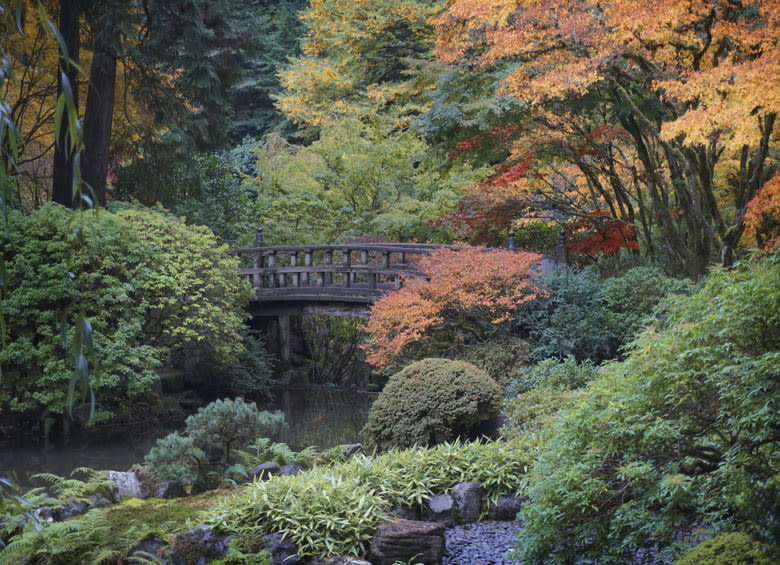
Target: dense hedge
x=429, y=402
x=150, y=285
x=683, y=432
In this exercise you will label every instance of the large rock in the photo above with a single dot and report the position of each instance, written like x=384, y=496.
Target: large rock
x=199, y=546
x=439, y=509
x=506, y=507
x=282, y=551
x=404, y=540
x=72, y=507
x=151, y=544
x=468, y=502
x=128, y=484
x=292, y=468
x=263, y=472
x=172, y=488
x=352, y=449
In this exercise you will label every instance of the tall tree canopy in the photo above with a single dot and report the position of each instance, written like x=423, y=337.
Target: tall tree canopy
x=663, y=115
x=152, y=70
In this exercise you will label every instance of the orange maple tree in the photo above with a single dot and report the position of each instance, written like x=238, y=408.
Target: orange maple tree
x=666, y=108
x=469, y=293
x=762, y=217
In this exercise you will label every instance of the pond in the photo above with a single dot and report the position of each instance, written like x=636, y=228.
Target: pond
x=323, y=417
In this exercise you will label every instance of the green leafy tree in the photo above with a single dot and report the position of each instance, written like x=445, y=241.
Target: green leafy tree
x=360, y=59
x=357, y=179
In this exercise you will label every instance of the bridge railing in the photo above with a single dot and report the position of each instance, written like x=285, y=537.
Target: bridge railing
x=346, y=269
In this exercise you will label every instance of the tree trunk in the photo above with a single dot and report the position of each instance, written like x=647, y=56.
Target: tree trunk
x=64, y=170
x=99, y=111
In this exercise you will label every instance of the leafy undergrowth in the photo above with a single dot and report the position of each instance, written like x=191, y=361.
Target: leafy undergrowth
x=335, y=510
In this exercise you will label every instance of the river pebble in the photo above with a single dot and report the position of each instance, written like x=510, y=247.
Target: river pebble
x=481, y=543
x=489, y=543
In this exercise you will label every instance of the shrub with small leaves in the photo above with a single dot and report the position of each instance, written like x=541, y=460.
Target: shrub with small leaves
x=429, y=402
x=499, y=358
x=568, y=317
x=631, y=296
x=551, y=373
x=682, y=432
x=730, y=549
x=177, y=457
x=227, y=424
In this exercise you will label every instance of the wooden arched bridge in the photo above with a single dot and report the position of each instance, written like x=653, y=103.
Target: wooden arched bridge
x=327, y=279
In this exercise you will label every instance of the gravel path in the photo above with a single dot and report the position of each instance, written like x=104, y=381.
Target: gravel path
x=482, y=543
x=489, y=543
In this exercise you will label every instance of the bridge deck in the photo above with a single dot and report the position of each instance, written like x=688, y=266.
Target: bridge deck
x=350, y=273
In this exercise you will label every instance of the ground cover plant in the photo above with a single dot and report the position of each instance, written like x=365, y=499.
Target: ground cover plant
x=682, y=433
x=334, y=510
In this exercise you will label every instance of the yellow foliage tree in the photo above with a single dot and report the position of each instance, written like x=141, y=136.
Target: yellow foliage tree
x=691, y=89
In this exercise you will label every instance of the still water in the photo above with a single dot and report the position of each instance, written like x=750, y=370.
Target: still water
x=322, y=417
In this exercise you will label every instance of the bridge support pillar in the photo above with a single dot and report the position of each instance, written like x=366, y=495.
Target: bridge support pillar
x=283, y=327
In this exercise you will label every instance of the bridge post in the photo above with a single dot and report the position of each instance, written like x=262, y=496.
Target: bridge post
x=346, y=262
x=257, y=279
x=296, y=278
x=328, y=262
x=307, y=263
x=272, y=265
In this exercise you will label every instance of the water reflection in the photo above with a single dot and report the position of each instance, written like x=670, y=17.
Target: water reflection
x=323, y=417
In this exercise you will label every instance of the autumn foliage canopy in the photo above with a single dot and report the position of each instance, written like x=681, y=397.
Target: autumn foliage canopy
x=468, y=294
x=661, y=111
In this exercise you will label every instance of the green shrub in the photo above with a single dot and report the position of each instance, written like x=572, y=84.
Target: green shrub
x=252, y=374
x=227, y=423
x=571, y=319
x=531, y=411
x=327, y=512
x=150, y=286
x=429, y=402
x=727, y=549
x=683, y=431
x=499, y=358
x=335, y=510
x=540, y=391
x=632, y=296
x=177, y=457
x=551, y=373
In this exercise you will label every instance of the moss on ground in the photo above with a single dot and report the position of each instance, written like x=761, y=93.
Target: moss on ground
x=134, y=519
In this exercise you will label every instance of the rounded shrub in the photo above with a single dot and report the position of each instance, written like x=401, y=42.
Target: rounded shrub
x=728, y=549
x=150, y=286
x=429, y=402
